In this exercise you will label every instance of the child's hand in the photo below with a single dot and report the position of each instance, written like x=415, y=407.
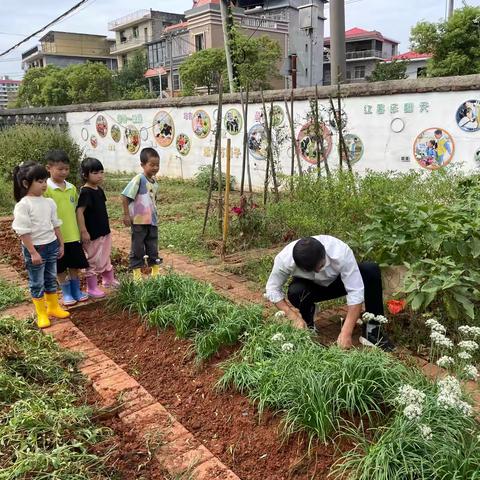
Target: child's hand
x=85, y=236
x=126, y=220
x=36, y=258
x=61, y=251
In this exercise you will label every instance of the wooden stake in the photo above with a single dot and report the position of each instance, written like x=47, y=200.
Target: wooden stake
x=245, y=139
x=227, y=199
x=216, y=149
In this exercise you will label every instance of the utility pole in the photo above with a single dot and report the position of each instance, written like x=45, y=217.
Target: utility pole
x=451, y=7
x=337, y=41
x=226, y=40
x=171, y=65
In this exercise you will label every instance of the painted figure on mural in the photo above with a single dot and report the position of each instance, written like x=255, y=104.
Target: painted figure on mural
x=434, y=148
x=233, y=121
x=443, y=146
x=468, y=116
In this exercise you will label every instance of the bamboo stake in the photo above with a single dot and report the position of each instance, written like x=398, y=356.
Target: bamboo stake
x=320, y=136
x=226, y=216
x=214, y=161
x=245, y=139
x=272, y=160
x=266, y=182
x=219, y=156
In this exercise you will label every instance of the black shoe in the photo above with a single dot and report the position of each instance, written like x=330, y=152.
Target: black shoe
x=376, y=338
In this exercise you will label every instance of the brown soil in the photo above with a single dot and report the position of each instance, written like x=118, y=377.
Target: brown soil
x=226, y=423
x=10, y=248
x=128, y=457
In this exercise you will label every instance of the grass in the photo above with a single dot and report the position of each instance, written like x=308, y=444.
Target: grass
x=10, y=294
x=46, y=431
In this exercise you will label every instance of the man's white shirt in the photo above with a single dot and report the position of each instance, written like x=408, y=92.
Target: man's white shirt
x=340, y=261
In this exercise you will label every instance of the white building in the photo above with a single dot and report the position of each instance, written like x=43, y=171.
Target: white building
x=417, y=63
x=8, y=91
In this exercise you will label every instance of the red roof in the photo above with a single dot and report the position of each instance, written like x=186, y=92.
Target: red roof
x=411, y=56
x=17, y=82
x=199, y=3
x=154, y=72
x=177, y=26
x=361, y=33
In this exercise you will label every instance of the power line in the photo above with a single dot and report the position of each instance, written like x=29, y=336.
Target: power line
x=60, y=17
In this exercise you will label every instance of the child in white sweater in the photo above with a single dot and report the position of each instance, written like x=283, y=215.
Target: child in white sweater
x=37, y=225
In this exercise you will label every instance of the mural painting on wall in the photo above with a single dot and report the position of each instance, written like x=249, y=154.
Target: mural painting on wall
x=144, y=134
x=468, y=116
x=354, y=146
x=201, y=123
x=93, y=141
x=278, y=116
x=257, y=142
x=183, y=144
x=101, y=125
x=132, y=139
x=163, y=128
x=116, y=133
x=84, y=134
x=477, y=157
x=332, y=118
x=233, y=121
x=434, y=148
x=307, y=142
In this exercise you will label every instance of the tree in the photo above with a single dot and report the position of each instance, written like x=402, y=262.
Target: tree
x=130, y=83
x=30, y=92
x=55, y=88
x=454, y=44
x=394, y=70
x=202, y=69
x=256, y=60
x=89, y=82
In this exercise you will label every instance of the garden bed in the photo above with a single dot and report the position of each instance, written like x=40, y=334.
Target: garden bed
x=226, y=423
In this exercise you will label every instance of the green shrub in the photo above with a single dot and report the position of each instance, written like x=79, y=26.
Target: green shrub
x=7, y=201
x=31, y=142
x=202, y=179
x=10, y=294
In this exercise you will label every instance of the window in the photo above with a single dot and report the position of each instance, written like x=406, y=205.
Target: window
x=135, y=32
x=359, y=72
x=394, y=50
x=349, y=74
x=123, y=38
x=124, y=60
x=176, y=81
x=199, y=42
x=145, y=34
x=421, y=72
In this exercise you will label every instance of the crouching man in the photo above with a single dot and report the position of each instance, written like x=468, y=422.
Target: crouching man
x=323, y=268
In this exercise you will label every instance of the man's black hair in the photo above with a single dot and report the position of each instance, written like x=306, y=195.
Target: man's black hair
x=57, y=156
x=308, y=253
x=90, y=165
x=147, y=153
x=438, y=132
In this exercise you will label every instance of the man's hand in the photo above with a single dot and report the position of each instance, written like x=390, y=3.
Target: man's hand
x=61, y=251
x=36, y=258
x=126, y=220
x=344, y=341
x=85, y=236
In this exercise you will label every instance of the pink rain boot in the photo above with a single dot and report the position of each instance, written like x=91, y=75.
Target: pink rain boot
x=92, y=288
x=109, y=280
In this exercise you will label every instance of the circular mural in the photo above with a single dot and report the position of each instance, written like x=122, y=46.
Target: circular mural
x=93, y=141
x=307, y=142
x=163, y=128
x=397, y=125
x=144, y=134
x=468, y=116
x=332, y=120
x=233, y=121
x=183, y=144
x=477, y=157
x=116, y=133
x=354, y=146
x=201, y=124
x=132, y=139
x=101, y=125
x=434, y=148
x=84, y=134
x=257, y=142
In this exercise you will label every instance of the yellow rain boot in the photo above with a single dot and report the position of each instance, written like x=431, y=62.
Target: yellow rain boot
x=53, y=307
x=137, y=274
x=155, y=270
x=41, y=309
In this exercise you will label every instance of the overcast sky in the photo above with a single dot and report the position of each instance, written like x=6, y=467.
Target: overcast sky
x=21, y=18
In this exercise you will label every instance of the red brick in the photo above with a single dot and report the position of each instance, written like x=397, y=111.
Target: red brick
x=213, y=469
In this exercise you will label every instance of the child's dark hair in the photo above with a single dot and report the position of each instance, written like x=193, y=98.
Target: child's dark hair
x=147, y=153
x=90, y=165
x=23, y=177
x=57, y=156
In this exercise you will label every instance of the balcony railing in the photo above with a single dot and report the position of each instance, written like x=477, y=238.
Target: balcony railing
x=129, y=42
x=365, y=54
x=257, y=22
x=132, y=17
x=30, y=52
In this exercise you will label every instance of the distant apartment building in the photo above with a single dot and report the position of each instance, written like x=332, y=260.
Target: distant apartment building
x=364, y=49
x=306, y=31
x=66, y=48
x=416, y=63
x=136, y=30
x=202, y=29
x=8, y=91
